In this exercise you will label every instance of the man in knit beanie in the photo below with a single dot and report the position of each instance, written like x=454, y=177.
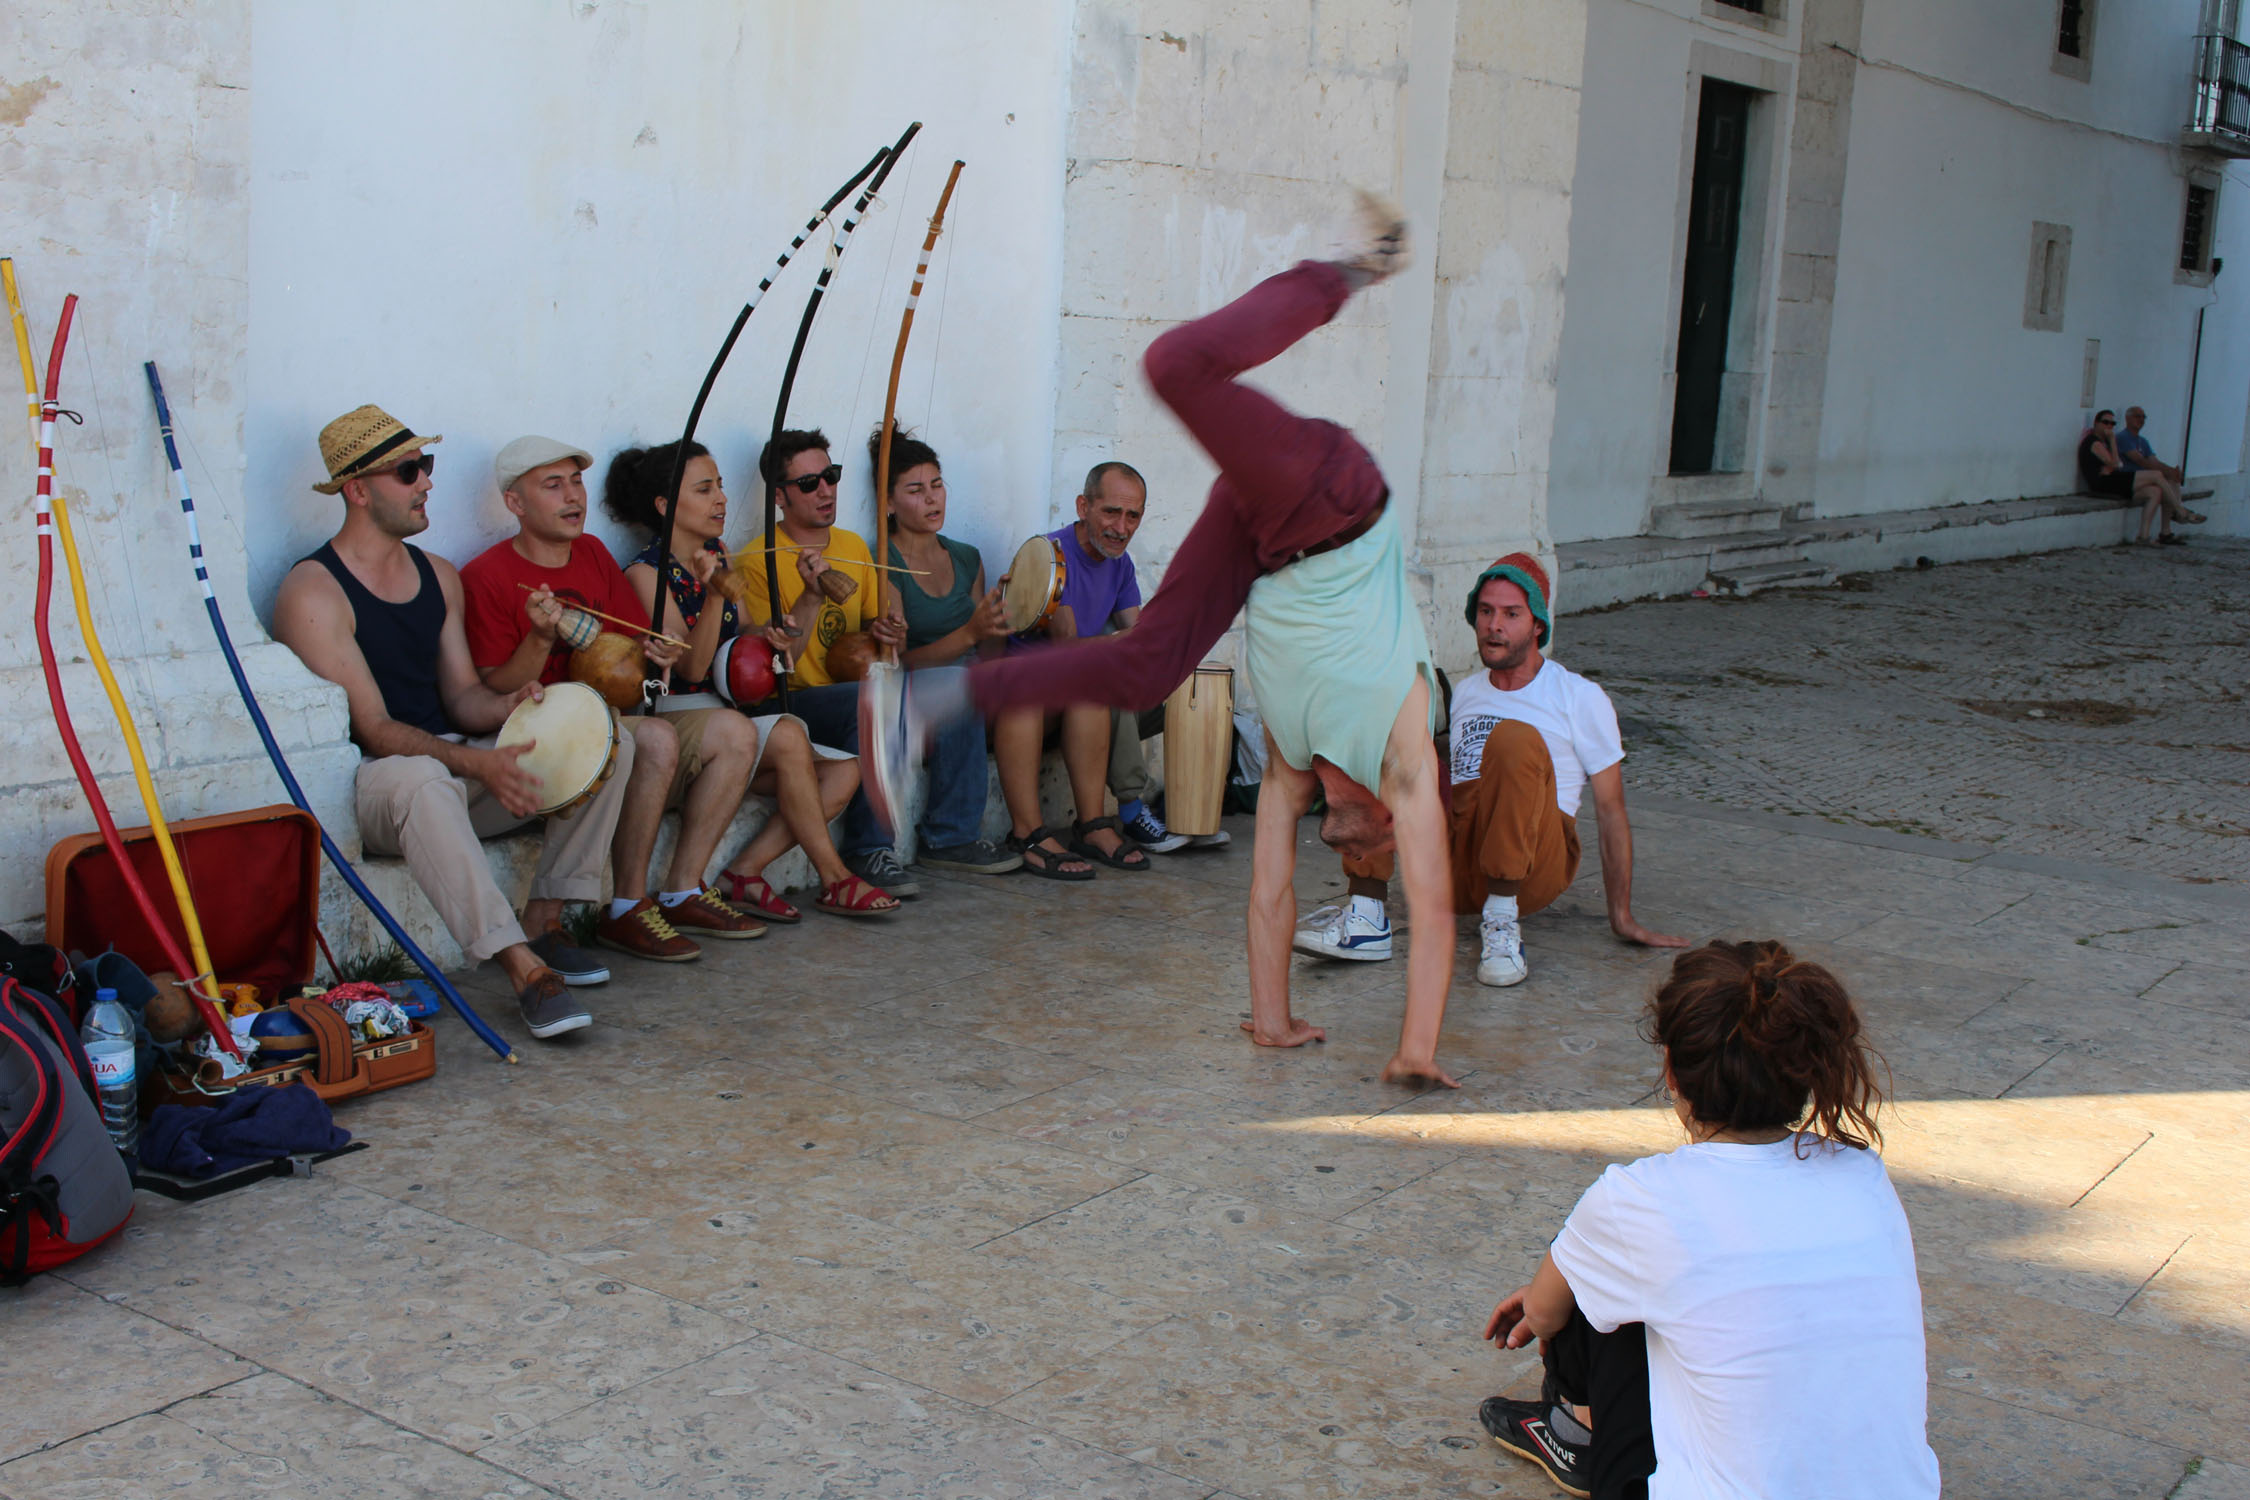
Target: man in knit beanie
x=1529, y=738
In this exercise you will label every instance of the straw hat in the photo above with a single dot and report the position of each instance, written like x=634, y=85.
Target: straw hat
x=363, y=440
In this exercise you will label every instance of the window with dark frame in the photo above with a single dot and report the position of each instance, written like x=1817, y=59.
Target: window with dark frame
x=1755, y=7
x=2070, y=29
x=2195, y=229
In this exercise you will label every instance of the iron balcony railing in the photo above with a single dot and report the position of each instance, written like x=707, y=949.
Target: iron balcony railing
x=2222, y=95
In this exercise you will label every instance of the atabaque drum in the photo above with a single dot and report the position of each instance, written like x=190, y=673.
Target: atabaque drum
x=1034, y=585
x=742, y=671
x=1198, y=745
x=573, y=752
x=849, y=656
x=613, y=666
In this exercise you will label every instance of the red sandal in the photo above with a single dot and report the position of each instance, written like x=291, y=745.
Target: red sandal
x=752, y=895
x=854, y=897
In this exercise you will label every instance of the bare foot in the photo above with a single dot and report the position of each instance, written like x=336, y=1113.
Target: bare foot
x=1297, y=1034
x=1402, y=1069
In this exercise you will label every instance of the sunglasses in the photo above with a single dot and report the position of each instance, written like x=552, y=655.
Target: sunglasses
x=412, y=469
x=805, y=484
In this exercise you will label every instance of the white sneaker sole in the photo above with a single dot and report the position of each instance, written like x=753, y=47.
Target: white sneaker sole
x=557, y=1028
x=1312, y=947
x=1501, y=978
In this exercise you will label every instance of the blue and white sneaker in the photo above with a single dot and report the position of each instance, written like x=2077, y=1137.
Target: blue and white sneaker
x=1358, y=930
x=1148, y=830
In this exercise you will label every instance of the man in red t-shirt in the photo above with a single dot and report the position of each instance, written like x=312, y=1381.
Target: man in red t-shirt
x=516, y=592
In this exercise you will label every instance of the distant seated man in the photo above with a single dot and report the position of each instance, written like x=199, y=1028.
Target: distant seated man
x=828, y=588
x=382, y=620
x=1100, y=594
x=1529, y=737
x=2134, y=453
x=517, y=591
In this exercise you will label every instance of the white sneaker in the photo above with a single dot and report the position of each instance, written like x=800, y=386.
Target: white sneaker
x=1217, y=840
x=1501, y=963
x=1344, y=931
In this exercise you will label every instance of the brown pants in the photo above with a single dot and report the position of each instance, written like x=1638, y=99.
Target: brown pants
x=1507, y=837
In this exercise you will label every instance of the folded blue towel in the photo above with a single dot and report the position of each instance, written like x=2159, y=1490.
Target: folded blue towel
x=248, y=1126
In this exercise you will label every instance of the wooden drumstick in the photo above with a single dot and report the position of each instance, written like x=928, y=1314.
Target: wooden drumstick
x=612, y=619
x=759, y=551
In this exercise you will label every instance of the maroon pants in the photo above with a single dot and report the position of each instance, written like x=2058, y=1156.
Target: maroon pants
x=1285, y=483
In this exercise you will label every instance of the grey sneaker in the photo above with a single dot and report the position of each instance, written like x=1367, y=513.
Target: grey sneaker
x=548, y=1009
x=880, y=867
x=1217, y=840
x=575, y=966
x=982, y=857
x=1147, y=830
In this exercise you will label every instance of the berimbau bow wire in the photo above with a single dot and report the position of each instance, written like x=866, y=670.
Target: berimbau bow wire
x=898, y=363
x=296, y=792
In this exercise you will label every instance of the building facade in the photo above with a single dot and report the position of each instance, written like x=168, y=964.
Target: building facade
x=530, y=217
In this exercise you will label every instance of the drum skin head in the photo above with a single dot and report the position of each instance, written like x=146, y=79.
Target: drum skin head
x=1035, y=584
x=575, y=736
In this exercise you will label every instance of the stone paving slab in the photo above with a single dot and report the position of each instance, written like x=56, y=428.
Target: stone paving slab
x=1021, y=1214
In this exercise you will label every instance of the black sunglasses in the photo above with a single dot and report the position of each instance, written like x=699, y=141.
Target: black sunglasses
x=805, y=484
x=415, y=468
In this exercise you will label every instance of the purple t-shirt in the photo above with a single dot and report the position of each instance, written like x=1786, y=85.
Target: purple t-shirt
x=1094, y=588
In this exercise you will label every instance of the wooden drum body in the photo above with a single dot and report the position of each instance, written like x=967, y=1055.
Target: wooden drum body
x=1198, y=746
x=574, y=750
x=1034, y=585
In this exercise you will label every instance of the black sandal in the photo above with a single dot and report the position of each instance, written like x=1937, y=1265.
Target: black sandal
x=1045, y=863
x=1127, y=851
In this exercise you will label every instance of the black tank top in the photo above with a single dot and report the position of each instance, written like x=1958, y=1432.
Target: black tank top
x=400, y=641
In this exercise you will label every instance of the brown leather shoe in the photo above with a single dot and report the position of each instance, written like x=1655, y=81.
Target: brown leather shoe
x=705, y=915
x=645, y=933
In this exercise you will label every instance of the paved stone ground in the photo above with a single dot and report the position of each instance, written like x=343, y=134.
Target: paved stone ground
x=2082, y=705
x=998, y=1202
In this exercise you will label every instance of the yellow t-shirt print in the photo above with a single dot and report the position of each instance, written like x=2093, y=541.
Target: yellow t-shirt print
x=848, y=554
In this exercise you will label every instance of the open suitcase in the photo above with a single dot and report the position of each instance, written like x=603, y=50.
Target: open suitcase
x=255, y=877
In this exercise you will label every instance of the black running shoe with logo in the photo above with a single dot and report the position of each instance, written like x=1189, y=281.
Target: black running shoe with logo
x=1521, y=1428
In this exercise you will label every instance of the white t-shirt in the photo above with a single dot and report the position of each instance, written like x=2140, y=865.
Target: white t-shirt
x=1784, y=1318
x=1574, y=717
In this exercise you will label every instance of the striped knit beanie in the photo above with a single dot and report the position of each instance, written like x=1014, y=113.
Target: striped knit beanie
x=1522, y=570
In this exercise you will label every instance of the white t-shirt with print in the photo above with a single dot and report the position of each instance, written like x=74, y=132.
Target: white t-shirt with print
x=1574, y=716
x=1784, y=1319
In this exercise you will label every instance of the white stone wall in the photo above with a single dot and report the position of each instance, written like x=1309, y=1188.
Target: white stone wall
x=1926, y=388
x=124, y=171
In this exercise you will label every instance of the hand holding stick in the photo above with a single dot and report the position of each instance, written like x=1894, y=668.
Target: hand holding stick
x=639, y=630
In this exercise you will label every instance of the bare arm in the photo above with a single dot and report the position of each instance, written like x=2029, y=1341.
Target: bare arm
x=473, y=707
x=693, y=664
x=1538, y=1309
x=1617, y=859
x=986, y=622
x=529, y=659
x=1125, y=619
x=314, y=619
x=1418, y=818
x=1272, y=918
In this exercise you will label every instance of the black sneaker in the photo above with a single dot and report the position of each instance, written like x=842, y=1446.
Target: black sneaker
x=982, y=857
x=547, y=1007
x=880, y=868
x=1521, y=1428
x=575, y=965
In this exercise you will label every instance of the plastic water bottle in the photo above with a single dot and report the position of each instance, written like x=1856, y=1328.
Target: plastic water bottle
x=109, y=1039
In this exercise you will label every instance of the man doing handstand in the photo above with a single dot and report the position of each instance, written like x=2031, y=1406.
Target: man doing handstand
x=1297, y=527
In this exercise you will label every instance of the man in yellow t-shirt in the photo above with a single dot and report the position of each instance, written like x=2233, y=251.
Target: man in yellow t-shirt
x=795, y=466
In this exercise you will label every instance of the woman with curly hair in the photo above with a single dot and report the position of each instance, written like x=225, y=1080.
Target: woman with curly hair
x=1740, y=1315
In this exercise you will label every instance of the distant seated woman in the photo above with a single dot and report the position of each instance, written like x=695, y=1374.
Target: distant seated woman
x=1739, y=1316
x=949, y=619
x=809, y=785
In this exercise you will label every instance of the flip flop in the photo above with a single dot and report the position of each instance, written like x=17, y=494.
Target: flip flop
x=1126, y=856
x=854, y=897
x=1045, y=863
x=751, y=894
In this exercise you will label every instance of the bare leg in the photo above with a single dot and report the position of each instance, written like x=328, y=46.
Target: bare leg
x=730, y=748
x=1272, y=918
x=1085, y=747
x=656, y=754
x=806, y=801
x=1017, y=738
x=518, y=962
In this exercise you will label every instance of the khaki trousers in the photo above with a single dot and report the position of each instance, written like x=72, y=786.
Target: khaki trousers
x=1506, y=836
x=411, y=806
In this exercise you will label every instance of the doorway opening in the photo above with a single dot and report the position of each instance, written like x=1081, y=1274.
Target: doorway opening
x=1707, y=288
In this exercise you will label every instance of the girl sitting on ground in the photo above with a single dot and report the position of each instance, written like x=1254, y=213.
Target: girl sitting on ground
x=1740, y=1315
x=808, y=784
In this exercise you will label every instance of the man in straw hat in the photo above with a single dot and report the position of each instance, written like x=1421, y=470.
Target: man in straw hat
x=382, y=619
x=1298, y=529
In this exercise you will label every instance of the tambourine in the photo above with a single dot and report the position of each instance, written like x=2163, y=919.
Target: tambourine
x=1035, y=585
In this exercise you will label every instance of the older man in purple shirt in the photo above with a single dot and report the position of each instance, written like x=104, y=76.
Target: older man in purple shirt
x=1100, y=594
